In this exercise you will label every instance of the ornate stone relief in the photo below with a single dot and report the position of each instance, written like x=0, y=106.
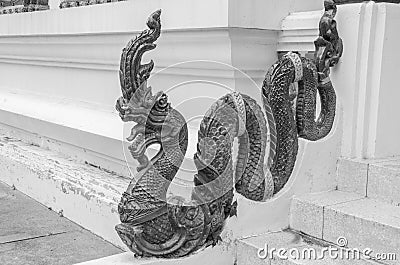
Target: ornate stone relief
x=153, y=225
x=76, y=3
x=20, y=6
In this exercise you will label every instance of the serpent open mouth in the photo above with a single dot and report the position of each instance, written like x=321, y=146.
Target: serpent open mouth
x=141, y=141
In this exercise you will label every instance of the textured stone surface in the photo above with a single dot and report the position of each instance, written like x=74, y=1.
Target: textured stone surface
x=24, y=218
x=86, y=194
x=66, y=248
x=247, y=249
x=307, y=211
x=306, y=217
x=219, y=255
x=31, y=234
x=364, y=223
x=352, y=176
x=373, y=178
x=384, y=181
x=291, y=242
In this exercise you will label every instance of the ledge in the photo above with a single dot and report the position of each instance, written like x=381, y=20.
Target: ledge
x=56, y=124
x=130, y=16
x=84, y=194
x=341, y=2
x=68, y=83
x=127, y=16
x=299, y=31
x=223, y=253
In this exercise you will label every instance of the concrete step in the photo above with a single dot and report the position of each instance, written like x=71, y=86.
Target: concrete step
x=221, y=254
x=352, y=220
x=78, y=137
x=377, y=179
x=84, y=194
x=31, y=234
x=300, y=250
x=290, y=247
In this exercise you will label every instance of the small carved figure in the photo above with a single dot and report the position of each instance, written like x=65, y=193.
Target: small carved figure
x=328, y=46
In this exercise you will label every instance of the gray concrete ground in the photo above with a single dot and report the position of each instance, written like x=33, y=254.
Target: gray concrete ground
x=31, y=234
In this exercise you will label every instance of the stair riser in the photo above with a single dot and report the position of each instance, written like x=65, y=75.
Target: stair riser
x=364, y=223
x=378, y=179
x=64, y=186
x=96, y=216
x=352, y=176
x=219, y=255
x=384, y=184
x=361, y=233
x=248, y=255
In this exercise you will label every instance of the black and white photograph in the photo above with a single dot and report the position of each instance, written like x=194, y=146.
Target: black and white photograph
x=199, y=132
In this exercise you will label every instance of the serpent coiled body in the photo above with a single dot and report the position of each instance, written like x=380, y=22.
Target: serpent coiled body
x=154, y=225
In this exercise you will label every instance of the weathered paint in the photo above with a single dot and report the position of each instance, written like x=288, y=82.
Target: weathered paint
x=85, y=194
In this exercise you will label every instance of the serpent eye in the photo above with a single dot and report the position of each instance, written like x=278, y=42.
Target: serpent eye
x=163, y=101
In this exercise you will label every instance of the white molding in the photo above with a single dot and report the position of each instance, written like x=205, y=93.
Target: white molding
x=130, y=16
x=69, y=83
x=299, y=31
x=266, y=14
x=71, y=51
x=302, y=20
x=125, y=16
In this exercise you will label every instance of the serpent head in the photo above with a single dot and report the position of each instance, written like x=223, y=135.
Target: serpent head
x=156, y=122
x=328, y=46
x=324, y=54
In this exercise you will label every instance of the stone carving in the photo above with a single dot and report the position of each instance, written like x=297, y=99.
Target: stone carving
x=20, y=6
x=156, y=226
x=4, y=3
x=76, y=3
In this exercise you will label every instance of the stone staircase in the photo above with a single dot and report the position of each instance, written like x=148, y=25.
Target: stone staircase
x=361, y=220
x=300, y=250
x=364, y=211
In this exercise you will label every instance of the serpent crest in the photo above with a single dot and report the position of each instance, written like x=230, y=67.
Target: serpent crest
x=153, y=225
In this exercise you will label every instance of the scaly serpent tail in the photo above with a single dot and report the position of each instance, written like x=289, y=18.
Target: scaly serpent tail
x=157, y=226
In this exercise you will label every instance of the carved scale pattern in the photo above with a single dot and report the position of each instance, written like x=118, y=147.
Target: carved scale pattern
x=154, y=225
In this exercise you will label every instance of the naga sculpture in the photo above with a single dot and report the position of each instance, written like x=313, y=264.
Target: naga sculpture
x=153, y=225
